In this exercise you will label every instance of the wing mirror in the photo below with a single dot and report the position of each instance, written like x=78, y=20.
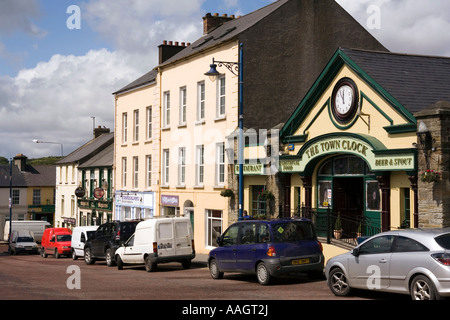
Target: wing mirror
x=355, y=252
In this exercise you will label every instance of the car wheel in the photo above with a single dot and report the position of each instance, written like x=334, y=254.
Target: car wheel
x=422, y=288
x=149, y=265
x=88, y=256
x=56, y=254
x=43, y=254
x=214, y=270
x=262, y=273
x=119, y=263
x=337, y=281
x=74, y=255
x=109, y=258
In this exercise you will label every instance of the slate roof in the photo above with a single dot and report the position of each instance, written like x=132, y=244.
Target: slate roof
x=416, y=81
x=34, y=176
x=89, y=149
x=104, y=158
x=222, y=34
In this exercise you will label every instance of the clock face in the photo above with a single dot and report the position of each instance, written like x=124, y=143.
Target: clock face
x=345, y=100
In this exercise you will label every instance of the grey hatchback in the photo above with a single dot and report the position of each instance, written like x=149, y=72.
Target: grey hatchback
x=413, y=261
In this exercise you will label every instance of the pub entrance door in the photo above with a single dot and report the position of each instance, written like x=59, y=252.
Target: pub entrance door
x=349, y=202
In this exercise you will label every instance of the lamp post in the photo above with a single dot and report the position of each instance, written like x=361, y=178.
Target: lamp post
x=237, y=68
x=62, y=148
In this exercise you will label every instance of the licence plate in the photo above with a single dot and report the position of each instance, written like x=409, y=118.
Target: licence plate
x=300, y=261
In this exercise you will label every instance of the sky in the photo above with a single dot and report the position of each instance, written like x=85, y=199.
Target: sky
x=61, y=60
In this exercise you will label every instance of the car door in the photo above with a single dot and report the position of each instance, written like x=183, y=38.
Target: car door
x=130, y=255
x=369, y=269
x=226, y=253
x=97, y=243
x=246, y=248
x=183, y=243
x=166, y=246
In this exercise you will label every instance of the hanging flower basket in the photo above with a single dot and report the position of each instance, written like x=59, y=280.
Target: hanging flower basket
x=228, y=193
x=429, y=176
x=266, y=195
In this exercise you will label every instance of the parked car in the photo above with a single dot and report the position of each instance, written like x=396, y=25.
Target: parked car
x=80, y=235
x=22, y=241
x=415, y=262
x=156, y=241
x=108, y=237
x=268, y=248
x=56, y=241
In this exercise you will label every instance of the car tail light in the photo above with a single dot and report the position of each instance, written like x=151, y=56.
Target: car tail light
x=320, y=245
x=118, y=235
x=155, y=247
x=271, y=252
x=443, y=258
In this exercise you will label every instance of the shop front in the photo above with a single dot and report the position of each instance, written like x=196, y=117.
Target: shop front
x=130, y=205
x=350, y=148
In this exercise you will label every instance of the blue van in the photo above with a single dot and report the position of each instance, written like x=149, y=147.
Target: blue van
x=268, y=249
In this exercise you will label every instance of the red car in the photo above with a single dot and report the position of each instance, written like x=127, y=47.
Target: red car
x=56, y=241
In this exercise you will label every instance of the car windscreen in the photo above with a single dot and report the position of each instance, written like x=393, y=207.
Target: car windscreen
x=63, y=237
x=127, y=230
x=25, y=239
x=90, y=234
x=292, y=231
x=444, y=241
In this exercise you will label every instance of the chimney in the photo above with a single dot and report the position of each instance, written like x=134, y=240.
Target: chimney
x=168, y=49
x=21, y=161
x=99, y=131
x=212, y=22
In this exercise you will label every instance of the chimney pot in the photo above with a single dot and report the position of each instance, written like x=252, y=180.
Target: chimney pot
x=211, y=22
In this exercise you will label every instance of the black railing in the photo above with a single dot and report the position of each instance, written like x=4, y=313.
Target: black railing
x=342, y=227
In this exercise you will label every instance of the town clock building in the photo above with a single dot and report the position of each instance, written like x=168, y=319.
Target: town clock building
x=370, y=141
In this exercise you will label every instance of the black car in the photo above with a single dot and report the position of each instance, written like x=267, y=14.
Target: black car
x=108, y=237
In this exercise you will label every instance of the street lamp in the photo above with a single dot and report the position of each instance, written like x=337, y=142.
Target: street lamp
x=235, y=68
x=62, y=148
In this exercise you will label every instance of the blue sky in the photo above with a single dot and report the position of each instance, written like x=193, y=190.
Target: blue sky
x=53, y=80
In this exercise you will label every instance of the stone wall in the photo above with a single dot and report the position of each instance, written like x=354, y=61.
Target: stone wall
x=434, y=197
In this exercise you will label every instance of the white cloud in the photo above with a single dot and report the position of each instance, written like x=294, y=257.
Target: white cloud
x=410, y=26
x=55, y=101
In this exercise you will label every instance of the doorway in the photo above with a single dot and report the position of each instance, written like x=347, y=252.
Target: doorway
x=349, y=201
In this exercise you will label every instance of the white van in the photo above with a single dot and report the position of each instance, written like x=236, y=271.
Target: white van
x=22, y=241
x=158, y=240
x=80, y=235
x=35, y=226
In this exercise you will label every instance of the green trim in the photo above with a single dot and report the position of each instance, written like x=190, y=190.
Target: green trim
x=329, y=73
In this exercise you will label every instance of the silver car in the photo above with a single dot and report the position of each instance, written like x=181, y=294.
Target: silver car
x=414, y=261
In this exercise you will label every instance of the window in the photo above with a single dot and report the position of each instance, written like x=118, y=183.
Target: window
x=201, y=101
x=380, y=244
x=36, y=196
x=258, y=204
x=148, y=177
x=214, y=227
x=183, y=98
x=124, y=127
x=220, y=164
x=200, y=165
x=136, y=125
x=373, y=198
x=221, y=93
x=15, y=196
x=166, y=110
x=404, y=244
x=149, y=123
x=325, y=194
x=181, y=166
x=135, y=172
x=165, y=165
x=124, y=172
